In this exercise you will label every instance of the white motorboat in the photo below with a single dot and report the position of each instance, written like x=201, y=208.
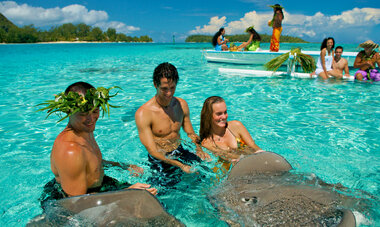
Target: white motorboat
x=261, y=57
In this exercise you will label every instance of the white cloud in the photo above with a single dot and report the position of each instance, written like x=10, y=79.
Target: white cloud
x=212, y=27
x=346, y=25
x=23, y=14
x=119, y=26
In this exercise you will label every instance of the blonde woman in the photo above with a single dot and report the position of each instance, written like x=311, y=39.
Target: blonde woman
x=226, y=139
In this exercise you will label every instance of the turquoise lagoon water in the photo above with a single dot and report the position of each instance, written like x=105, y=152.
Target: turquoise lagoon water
x=329, y=128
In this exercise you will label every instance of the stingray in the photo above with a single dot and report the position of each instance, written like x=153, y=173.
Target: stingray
x=131, y=207
x=260, y=191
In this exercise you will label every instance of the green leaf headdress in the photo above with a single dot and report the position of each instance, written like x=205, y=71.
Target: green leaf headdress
x=250, y=28
x=74, y=102
x=276, y=6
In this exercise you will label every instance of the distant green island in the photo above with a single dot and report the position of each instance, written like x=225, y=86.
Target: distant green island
x=243, y=38
x=10, y=33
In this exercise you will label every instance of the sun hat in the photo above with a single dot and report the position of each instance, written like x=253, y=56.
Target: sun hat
x=369, y=43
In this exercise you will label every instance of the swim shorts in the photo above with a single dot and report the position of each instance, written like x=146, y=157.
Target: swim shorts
x=373, y=74
x=168, y=175
x=180, y=154
x=53, y=190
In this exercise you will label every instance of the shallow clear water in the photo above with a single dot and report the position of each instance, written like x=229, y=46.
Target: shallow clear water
x=329, y=128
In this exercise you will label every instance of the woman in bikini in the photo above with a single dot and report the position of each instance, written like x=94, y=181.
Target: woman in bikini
x=227, y=140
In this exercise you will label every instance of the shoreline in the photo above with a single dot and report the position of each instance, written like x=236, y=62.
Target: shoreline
x=73, y=42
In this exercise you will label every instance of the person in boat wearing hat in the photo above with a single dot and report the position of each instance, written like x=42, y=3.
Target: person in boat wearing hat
x=276, y=24
x=366, y=61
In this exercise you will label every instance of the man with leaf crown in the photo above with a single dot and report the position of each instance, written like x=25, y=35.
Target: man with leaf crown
x=76, y=160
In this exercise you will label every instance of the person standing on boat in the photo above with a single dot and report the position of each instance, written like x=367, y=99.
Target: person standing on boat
x=326, y=60
x=159, y=122
x=76, y=160
x=219, y=42
x=340, y=64
x=276, y=24
x=366, y=61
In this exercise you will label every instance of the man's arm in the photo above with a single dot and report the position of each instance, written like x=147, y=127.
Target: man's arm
x=143, y=123
x=359, y=63
x=346, y=70
x=188, y=128
x=134, y=169
x=70, y=163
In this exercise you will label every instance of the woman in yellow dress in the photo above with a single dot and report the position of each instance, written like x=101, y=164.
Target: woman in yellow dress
x=276, y=24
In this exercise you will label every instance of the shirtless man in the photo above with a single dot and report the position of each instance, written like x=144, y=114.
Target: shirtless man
x=340, y=64
x=366, y=61
x=159, y=122
x=76, y=160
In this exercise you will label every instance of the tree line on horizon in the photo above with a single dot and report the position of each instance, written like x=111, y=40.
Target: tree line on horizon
x=243, y=38
x=10, y=33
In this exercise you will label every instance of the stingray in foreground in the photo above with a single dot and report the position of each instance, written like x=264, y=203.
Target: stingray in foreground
x=131, y=207
x=260, y=191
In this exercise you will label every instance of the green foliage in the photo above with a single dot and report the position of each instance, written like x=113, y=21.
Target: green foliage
x=243, y=38
x=74, y=102
x=306, y=61
x=9, y=33
x=6, y=24
x=111, y=34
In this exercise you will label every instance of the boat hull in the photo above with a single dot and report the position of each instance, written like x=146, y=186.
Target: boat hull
x=261, y=57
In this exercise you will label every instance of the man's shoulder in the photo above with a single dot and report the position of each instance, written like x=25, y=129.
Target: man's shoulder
x=145, y=108
x=181, y=101
x=66, y=143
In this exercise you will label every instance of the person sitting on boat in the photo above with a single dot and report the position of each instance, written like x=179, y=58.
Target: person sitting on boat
x=326, y=59
x=252, y=44
x=340, y=64
x=366, y=61
x=276, y=24
x=219, y=42
x=227, y=140
x=76, y=160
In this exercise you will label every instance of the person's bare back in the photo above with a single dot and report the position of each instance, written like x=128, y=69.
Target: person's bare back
x=77, y=161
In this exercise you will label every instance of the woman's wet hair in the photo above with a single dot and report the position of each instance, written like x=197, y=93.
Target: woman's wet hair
x=206, y=116
x=165, y=70
x=215, y=38
x=79, y=87
x=324, y=43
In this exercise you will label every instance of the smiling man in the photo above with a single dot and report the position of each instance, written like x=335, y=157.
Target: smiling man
x=159, y=122
x=339, y=63
x=76, y=160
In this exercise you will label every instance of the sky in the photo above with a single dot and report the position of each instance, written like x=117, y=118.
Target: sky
x=348, y=21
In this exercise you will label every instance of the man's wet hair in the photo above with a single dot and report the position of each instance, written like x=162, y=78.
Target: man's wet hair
x=165, y=70
x=79, y=87
x=339, y=47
